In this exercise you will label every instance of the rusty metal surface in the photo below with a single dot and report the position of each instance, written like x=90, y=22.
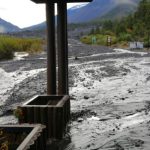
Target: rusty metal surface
x=51, y=50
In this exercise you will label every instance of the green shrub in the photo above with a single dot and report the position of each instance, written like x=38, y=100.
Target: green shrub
x=146, y=44
x=124, y=37
x=8, y=45
x=86, y=40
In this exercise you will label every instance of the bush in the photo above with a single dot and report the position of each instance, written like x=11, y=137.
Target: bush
x=124, y=37
x=86, y=40
x=146, y=44
x=8, y=45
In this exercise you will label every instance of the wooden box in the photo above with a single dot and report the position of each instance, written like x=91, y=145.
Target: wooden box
x=52, y=111
x=22, y=137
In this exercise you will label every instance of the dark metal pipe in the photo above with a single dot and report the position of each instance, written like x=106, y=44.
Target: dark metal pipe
x=51, y=50
x=62, y=48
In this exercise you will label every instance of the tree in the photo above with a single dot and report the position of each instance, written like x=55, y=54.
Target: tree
x=92, y=31
x=108, y=25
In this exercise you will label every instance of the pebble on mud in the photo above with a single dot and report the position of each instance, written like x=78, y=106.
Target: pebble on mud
x=139, y=143
x=130, y=91
x=86, y=97
x=80, y=119
x=118, y=117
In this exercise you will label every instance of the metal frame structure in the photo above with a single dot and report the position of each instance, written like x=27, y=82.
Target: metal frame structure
x=62, y=45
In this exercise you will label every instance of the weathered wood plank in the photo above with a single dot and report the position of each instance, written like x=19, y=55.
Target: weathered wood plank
x=54, y=113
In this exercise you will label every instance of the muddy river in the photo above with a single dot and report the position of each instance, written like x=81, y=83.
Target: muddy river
x=109, y=89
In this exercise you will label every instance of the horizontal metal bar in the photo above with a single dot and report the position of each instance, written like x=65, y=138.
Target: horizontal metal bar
x=58, y=1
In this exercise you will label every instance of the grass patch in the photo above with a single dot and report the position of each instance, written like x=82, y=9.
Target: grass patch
x=9, y=45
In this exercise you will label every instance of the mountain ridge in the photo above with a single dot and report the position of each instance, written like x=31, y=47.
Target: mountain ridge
x=111, y=9
x=96, y=10
x=6, y=26
x=123, y=10
x=100, y=8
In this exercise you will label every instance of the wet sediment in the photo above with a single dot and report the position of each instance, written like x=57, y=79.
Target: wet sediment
x=109, y=92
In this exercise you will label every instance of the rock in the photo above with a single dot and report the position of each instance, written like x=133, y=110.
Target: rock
x=139, y=143
x=118, y=117
x=80, y=119
x=123, y=98
x=104, y=119
x=124, y=74
x=130, y=91
x=76, y=58
x=86, y=97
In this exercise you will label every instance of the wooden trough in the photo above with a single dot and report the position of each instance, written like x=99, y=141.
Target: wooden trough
x=23, y=137
x=52, y=111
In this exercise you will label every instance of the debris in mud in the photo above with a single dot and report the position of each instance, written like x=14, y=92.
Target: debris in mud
x=86, y=97
x=118, y=117
x=118, y=146
x=130, y=91
x=76, y=58
x=123, y=98
x=139, y=143
x=104, y=119
x=148, y=79
x=124, y=74
x=80, y=119
x=81, y=115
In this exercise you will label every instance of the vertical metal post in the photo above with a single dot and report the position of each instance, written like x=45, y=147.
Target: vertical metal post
x=149, y=39
x=51, y=51
x=62, y=48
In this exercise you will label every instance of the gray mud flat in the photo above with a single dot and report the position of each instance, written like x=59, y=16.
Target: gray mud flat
x=110, y=95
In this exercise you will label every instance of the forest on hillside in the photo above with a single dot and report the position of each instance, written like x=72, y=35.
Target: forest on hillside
x=134, y=27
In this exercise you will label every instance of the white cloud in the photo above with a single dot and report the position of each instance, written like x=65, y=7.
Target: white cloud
x=2, y=8
x=22, y=12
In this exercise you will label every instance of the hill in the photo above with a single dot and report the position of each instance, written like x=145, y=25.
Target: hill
x=36, y=27
x=102, y=9
x=7, y=27
x=119, y=11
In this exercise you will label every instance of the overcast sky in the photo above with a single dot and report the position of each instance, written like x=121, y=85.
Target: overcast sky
x=23, y=13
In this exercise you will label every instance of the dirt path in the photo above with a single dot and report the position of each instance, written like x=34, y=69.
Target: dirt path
x=109, y=95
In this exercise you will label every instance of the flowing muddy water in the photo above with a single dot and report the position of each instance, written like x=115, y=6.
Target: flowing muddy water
x=113, y=98
x=109, y=92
